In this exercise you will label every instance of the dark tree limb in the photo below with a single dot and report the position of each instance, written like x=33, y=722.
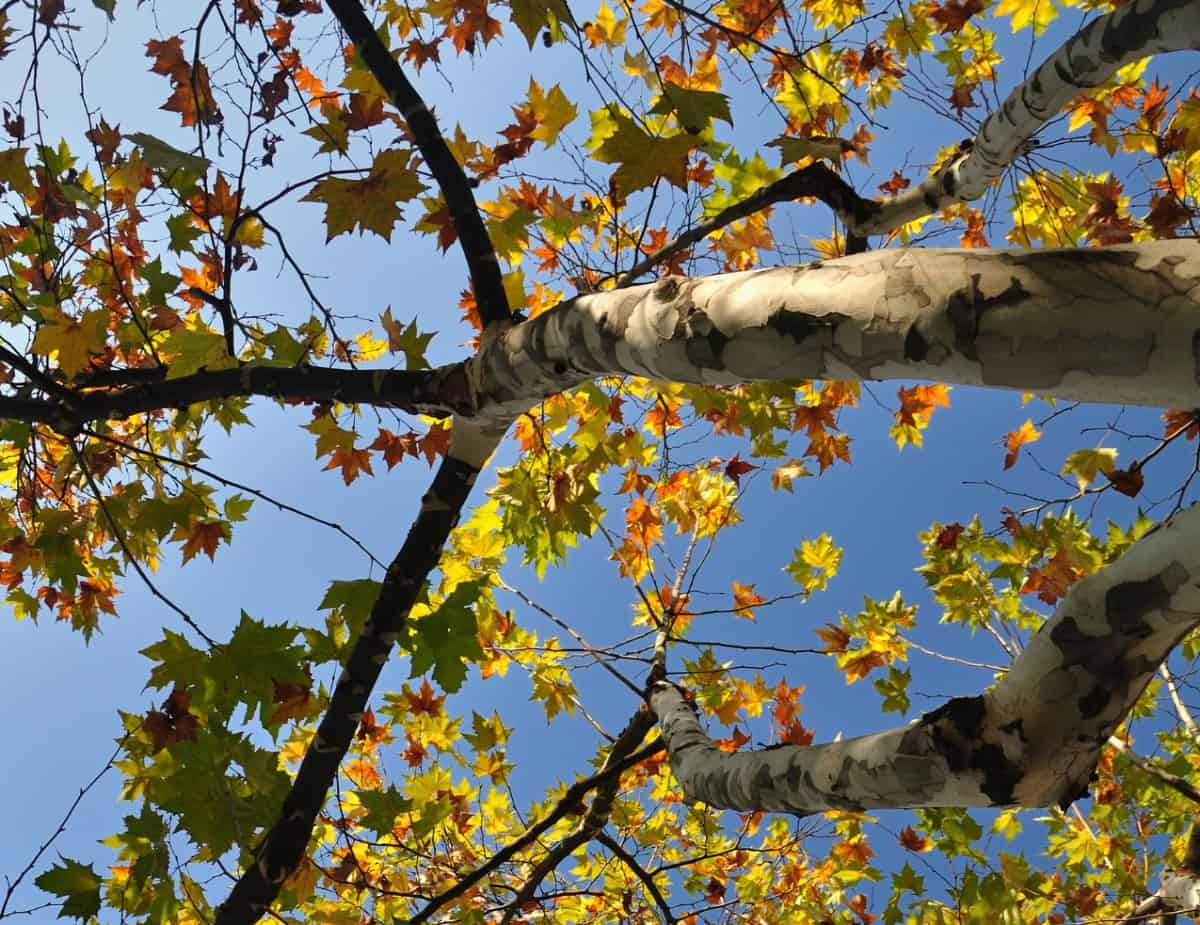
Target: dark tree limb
x=816, y=180
x=435, y=392
x=640, y=872
x=284, y=845
x=456, y=188
x=568, y=804
x=593, y=820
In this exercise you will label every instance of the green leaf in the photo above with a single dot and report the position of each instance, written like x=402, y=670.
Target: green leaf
x=383, y=806
x=695, y=109
x=894, y=690
x=446, y=639
x=641, y=157
x=194, y=349
x=352, y=600
x=107, y=5
x=78, y=885
x=161, y=155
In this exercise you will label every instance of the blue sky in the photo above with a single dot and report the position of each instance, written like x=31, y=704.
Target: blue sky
x=62, y=696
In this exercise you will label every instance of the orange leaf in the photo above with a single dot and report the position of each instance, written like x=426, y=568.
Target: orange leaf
x=203, y=537
x=352, y=462
x=1188, y=421
x=1014, y=440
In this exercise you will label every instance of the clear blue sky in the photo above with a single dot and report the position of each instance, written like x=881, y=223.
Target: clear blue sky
x=62, y=696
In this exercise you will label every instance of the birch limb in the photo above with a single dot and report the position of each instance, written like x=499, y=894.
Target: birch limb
x=1032, y=740
x=1086, y=60
x=1117, y=324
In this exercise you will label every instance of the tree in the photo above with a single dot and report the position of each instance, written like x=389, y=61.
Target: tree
x=257, y=790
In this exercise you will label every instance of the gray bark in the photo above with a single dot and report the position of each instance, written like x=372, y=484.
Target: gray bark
x=1117, y=324
x=1031, y=740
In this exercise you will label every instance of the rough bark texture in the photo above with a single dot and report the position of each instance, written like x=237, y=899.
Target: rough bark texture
x=1032, y=740
x=1087, y=59
x=1118, y=324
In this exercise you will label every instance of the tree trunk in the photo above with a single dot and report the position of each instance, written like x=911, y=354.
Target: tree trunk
x=1032, y=740
x=1117, y=324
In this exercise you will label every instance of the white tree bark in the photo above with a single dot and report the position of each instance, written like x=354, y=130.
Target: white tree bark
x=1118, y=324
x=1032, y=740
x=1128, y=34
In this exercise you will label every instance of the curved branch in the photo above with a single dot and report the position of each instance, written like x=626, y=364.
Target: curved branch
x=569, y=803
x=816, y=180
x=640, y=872
x=456, y=188
x=1108, y=43
x=1032, y=740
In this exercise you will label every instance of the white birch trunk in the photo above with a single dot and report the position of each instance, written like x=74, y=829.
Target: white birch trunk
x=1032, y=740
x=1114, y=325
x=1128, y=34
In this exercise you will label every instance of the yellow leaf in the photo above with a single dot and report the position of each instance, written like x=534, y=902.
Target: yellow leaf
x=72, y=340
x=1036, y=13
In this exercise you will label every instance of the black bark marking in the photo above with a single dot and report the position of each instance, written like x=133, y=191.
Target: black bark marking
x=1000, y=776
x=705, y=346
x=916, y=347
x=966, y=307
x=800, y=326
x=1196, y=355
x=955, y=727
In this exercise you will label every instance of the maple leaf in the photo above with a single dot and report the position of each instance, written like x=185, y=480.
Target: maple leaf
x=202, y=536
x=369, y=204
x=641, y=157
x=911, y=841
x=836, y=638
x=406, y=339
x=745, y=600
x=1127, y=481
x=293, y=699
x=947, y=537
x=72, y=341
x=1187, y=422
x=737, y=467
x=351, y=461
x=735, y=741
x=424, y=701
x=952, y=15
x=395, y=446
x=1014, y=440
x=435, y=443
x=1052, y=579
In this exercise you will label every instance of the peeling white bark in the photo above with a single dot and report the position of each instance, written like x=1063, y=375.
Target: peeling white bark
x=1032, y=740
x=1118, y=324
x=1128, y=34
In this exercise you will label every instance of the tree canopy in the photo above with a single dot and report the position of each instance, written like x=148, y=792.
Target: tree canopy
x=613, y=288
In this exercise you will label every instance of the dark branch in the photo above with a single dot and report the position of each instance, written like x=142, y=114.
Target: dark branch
x=816, y=180
x=434, y=392
x=456, y=188
x=567, y=804
x=284, y=844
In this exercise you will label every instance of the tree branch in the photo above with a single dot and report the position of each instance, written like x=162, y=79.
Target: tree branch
x=816, y=180
x=283, y=845
x=1032, y=740
x=456, y=188
x=565, y=806
x=1087, y=59
x=640, y=872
